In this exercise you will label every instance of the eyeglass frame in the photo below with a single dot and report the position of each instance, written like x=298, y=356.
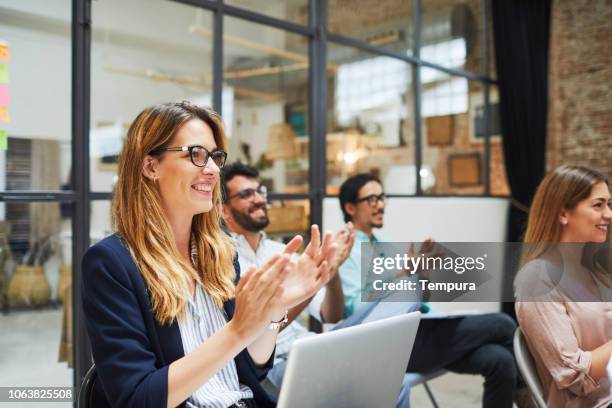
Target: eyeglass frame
x=379, y=197
x=261, y=189
x=190, y=148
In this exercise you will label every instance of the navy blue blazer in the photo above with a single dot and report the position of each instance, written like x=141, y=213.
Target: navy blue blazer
x=131, y=349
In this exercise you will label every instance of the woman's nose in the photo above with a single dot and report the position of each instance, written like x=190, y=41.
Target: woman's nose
x=608, y=213
x=211, y=167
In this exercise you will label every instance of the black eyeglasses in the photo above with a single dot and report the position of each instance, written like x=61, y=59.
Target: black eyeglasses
x=249, y=193
x=199, y=154
x=373, y=199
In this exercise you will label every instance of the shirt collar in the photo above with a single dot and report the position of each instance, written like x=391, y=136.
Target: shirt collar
x=361, y=236
x=241, y=239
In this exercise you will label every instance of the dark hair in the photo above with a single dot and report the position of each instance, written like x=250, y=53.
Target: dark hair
x=229, y=171
x=349, y=190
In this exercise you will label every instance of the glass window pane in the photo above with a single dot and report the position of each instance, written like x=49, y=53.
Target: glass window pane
x=265, y=102
x=153, y=51
x=35, y=293
x=100, y=220
x=384, y=23
x=372, y=127
x=295, y=11
x=453, y=136
x=451, y=34
x=287, y=219
x=35, y=99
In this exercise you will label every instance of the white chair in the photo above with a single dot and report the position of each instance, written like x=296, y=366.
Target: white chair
x=526, y=366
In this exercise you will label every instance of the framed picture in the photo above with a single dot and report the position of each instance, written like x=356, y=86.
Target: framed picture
x=477, y=119
x=440, y=130
x=464, y=169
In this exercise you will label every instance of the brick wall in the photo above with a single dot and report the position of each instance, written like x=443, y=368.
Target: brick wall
x=580, y=84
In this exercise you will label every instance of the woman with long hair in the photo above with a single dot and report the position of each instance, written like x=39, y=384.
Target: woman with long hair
x=167, y=324
x=567, y=326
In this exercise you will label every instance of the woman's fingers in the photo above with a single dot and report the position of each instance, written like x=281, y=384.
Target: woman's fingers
x=244, y=278
x=271, y=278
x=260, y=277
x=274, y=258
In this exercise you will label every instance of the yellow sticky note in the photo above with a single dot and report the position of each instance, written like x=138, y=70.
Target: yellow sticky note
x=4, y=74
x=5, y=56
x=3, y=140
x=4, y=115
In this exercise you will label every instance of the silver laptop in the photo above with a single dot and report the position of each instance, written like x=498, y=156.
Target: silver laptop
x=359, y=366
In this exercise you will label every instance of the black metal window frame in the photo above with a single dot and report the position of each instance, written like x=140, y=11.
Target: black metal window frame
x=316, y=30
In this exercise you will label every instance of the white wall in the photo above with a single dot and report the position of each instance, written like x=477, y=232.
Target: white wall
x=450, y=219
x=445, y=219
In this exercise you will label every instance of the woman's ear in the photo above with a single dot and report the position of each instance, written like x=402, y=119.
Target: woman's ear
x=563, y=217
x=149, y=168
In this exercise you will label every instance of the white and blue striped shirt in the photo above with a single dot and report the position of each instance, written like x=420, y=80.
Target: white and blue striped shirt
x=202, y=319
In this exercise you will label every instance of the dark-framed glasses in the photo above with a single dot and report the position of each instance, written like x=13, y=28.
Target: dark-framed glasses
x=199, y=155
x=249, y=193
x=373, y=199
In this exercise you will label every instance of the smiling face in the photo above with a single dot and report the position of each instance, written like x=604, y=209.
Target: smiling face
x=185, y=189
x=249, y=213
x=589, y=221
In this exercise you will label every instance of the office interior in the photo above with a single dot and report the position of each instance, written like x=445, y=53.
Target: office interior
x=310, y=92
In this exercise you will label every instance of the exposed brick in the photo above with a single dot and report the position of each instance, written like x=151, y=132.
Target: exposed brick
x=580, y=84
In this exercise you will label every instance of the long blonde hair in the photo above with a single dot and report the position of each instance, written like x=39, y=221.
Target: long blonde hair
x=561, y=189
x=138, y=217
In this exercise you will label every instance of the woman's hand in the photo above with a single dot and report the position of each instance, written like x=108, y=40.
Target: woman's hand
x=310, y=271
x=258, y=297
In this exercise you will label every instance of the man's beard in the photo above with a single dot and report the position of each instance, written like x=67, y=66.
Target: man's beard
x=249, y=223
x=380, y=224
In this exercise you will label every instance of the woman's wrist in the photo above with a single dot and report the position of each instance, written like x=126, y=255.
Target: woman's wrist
x=278, y=316
x=277, y=323
x=241, y=334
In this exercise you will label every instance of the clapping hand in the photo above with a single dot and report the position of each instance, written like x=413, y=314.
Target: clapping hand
x=344, y=239
x=428, y=250
x=258, y=297
x=311, y=270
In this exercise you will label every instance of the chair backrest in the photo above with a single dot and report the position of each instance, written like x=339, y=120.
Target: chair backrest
x=85, y=392
x=526, y=366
